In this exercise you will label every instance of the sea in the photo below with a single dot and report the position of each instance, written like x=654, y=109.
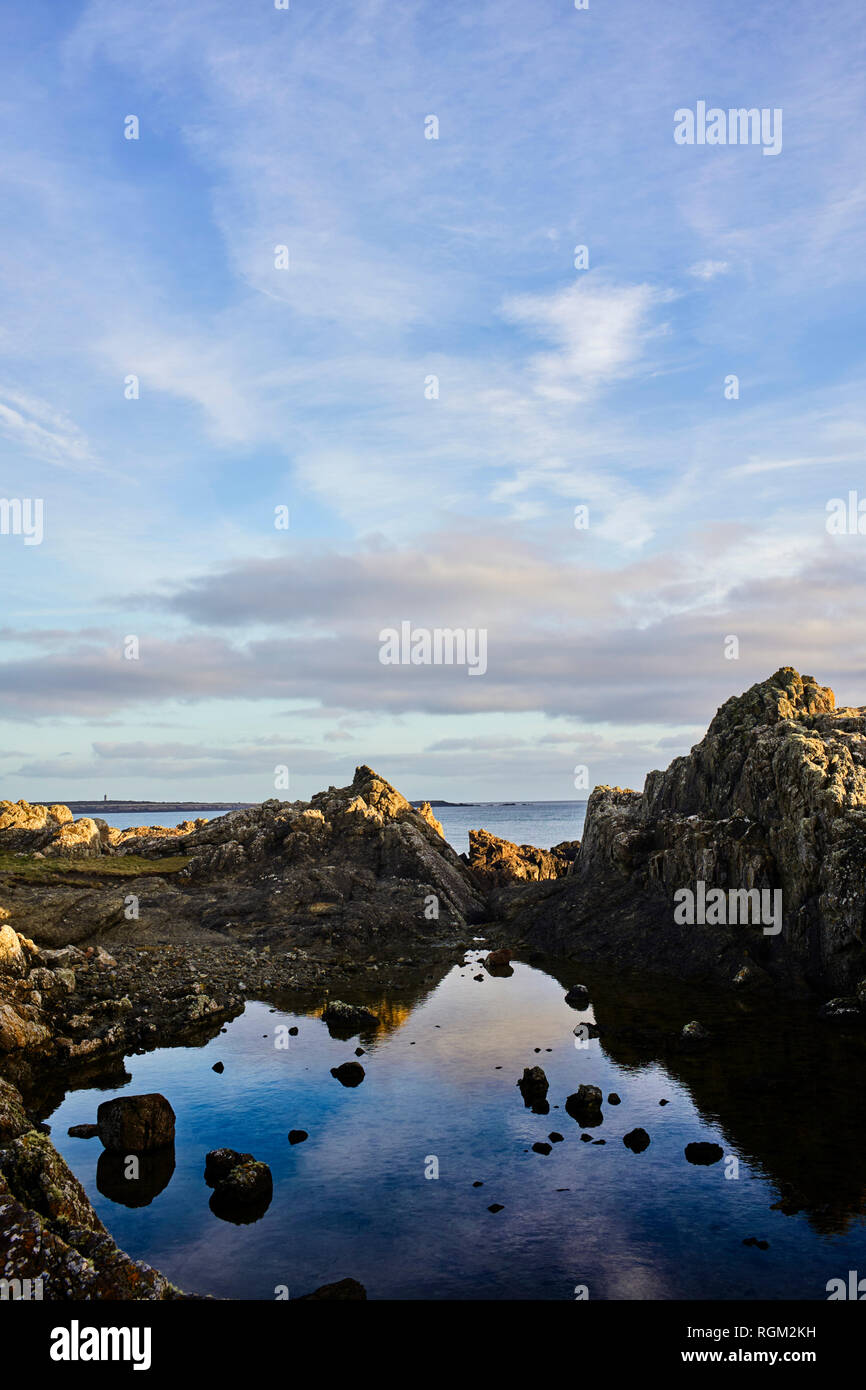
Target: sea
x=539, y=823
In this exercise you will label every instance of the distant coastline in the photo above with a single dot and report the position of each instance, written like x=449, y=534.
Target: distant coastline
x=85, y=808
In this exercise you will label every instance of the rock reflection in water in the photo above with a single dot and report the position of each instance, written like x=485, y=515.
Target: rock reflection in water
x=153, y=1173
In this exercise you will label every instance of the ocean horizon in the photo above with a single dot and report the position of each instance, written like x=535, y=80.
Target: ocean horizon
x=539, y=823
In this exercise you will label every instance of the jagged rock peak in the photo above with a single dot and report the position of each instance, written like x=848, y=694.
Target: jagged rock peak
x=784, y=695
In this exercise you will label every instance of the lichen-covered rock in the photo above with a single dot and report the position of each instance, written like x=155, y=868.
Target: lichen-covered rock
x=348, y=1017
x=41, y=1180
x=20, y=1028
x=220, y=1162
x=13, y=1117
x=49, y=1232
x=80, y=839
x=13, y=961
x=245, y=1183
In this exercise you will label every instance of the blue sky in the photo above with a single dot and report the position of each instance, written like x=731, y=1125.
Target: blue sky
x=305, y=387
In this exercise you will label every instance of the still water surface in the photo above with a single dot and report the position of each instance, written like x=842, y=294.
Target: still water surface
x=353, y=1200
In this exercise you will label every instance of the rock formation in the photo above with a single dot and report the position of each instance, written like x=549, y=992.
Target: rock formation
x=772, y=798
x=495, y=862
x=354, y=867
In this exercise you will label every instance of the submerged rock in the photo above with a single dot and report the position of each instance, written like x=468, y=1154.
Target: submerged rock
x=704, y=1153
x=637, y=1140
x=349, y=1073
x=533, y=1086
x=584, y=1106
x=297, y=1136
x=347, y=1290
x=349, y=1017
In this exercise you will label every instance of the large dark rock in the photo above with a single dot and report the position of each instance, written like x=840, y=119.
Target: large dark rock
x=134, y=1124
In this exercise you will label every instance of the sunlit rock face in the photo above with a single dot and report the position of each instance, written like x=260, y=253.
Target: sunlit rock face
x=773, y=797
x=496, y=862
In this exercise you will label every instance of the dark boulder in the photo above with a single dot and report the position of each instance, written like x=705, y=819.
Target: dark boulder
x=704, y=1154
x=533, y=1086
x=637, y=1140
x=220, y=1162
x=349, y=1073
x=348, y=1018
x=584, y=1106
x=134, y=1124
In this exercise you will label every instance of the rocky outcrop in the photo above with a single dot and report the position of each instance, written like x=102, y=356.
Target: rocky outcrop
x=24, y=827
x=774, y=799
x=68, y=1006
x=354, y=868
x=496, y=863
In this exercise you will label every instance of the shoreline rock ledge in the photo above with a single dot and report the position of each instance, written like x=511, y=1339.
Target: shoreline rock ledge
x=773, y=797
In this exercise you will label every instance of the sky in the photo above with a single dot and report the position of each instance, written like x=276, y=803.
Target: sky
x=423, y=383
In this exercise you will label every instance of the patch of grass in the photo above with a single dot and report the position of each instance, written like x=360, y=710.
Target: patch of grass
x=122, y=866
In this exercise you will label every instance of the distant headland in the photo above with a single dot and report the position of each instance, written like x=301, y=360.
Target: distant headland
x=86, y=808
